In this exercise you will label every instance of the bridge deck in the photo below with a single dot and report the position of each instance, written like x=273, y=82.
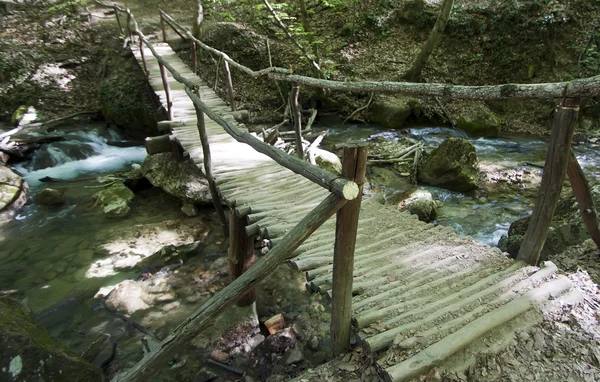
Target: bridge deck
x=423, y=296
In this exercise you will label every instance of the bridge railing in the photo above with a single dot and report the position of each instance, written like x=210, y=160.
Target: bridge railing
x=345, y=199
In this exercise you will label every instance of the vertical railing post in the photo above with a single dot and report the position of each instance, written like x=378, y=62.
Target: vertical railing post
x=229, y=85
x=128, y=26
x=208, y=168
x=118, y=20
x=144, y=58
x=297, y=118
x=165, y=81
x=581, y=190
x=241, y=252
x=354, y=165
x=194, y=57
x=162, y=27
x=555, y=169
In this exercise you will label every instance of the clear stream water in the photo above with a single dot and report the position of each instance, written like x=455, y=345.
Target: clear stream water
x=51, y=256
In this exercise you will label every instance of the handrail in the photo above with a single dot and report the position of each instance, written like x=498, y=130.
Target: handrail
x=324, y=178
x=580, y=88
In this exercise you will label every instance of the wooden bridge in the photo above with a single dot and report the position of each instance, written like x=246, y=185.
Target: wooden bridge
x=419, y=296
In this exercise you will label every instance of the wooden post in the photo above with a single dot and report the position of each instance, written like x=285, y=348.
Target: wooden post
x=555, y=169
x=118, y=20
x=194, y=58
x=208, y=169
x=162, y=27
x=165, y=81
x=128, y=26
x=241, y=253
x=354, y=165
x=582, y=192
x=297, y=117
x=229, y=85
x=205, y=315
x=144, y=58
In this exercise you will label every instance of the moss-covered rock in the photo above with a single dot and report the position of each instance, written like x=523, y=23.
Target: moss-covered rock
x=453, y=165
x=183, y=180
x=127, y=99
x=29, y=353
x=418, y=202
x=393, y=112
x=566, y=229
x=13, y=193
x=49, y=197
x=479, y=120
x=114, y=200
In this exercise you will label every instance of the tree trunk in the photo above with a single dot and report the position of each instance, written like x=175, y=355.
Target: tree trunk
x=307, y=26
x=582, y=193
x=414, y=73
x=196, y=29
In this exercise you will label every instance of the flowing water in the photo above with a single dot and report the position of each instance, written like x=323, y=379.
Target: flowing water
x=56, y=258
x=483, y=216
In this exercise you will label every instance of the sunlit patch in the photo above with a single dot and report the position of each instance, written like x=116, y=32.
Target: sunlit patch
x=52, y=74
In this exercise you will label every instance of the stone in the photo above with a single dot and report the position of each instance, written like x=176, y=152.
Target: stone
x=83, y=258
x=131, y=296
x=189, y=210
x=29, y=353
x=453, y=165
x=23, y=115
x=127, y=100
x=479, y=120
x=314, y=343
x=49, y=197
x=171, y=254
x=12, y=189
x=114, y=200
x=418, y=202
x=393, y=112
x=182, y=179
x=294, y=355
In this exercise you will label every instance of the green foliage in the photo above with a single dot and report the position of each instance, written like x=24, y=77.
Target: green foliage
x=66, y=7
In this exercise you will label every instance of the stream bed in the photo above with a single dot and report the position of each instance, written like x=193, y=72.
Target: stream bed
x=485, y=216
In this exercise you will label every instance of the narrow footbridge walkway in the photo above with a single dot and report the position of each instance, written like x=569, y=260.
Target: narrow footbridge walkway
x=422, y=295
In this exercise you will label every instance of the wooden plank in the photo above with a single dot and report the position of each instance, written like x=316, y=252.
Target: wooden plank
x=582, y=193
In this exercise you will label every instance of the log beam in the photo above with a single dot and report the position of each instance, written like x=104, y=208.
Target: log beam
x=582, y=193
x=229, y=85
x=165, y=81
x=208, y=170
x=297, y=118
x=354, y=165
x=555, y=169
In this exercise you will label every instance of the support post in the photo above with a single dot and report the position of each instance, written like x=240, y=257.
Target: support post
x=128, y=26
x=555, y=169
x=297, y=117
x=165, y=81
x=118, y=20
x=162, y=27
x=582, y=193
x=208, y=169
x=354, y=165
x=205, y=315
x=144, y=58
x=194, y=58
x=241, y=253
x=229, y=85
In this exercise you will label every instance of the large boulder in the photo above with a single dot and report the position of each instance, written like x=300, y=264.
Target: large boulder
x=453, y=165
x=49, y=197
x=182, y=179
x=114, y=200
x=13, y=193
x=29, y=353
x=566, y=229
x=393, y=112
x=479, y=120
x=418, y=202
x=127, y=100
